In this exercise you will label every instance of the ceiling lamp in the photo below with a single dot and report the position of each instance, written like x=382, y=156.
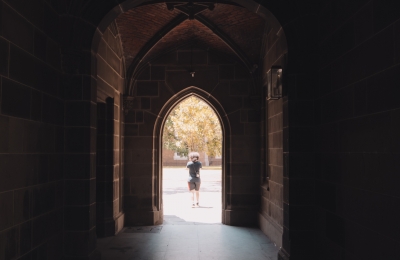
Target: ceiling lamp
x=274, y=83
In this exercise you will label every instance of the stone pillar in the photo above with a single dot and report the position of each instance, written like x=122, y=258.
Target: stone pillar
x=80, y=158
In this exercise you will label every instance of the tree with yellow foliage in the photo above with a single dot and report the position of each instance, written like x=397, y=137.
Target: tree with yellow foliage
x=193, y=126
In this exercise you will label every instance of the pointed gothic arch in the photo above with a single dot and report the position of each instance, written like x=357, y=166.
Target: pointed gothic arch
x=157, y=145
x=237, y=209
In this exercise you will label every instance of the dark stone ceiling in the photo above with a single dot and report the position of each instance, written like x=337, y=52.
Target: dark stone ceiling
x=150, y=30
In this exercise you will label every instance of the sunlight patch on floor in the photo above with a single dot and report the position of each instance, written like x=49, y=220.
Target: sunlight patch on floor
x=177, y=204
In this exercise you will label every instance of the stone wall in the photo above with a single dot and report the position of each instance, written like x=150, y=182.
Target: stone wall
x=357, y=113
x=230, y=84
x=109, y=166
x=340, y=128
x=31, y=134
x=271, y=208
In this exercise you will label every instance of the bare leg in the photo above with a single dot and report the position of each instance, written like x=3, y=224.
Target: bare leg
x=192, y=196
x=197, y=197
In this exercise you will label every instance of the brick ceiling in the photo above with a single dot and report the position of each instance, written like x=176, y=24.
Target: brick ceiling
x=235, y=31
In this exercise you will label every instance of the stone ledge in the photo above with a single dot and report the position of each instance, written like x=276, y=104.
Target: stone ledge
x=271, y=229
x=143, y=218
x=239, y=217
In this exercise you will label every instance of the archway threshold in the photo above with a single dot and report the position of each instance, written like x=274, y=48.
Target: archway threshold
x=177, y=205
x=190, y=242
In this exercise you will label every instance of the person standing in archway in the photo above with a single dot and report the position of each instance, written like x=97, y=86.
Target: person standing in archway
x=194, y=166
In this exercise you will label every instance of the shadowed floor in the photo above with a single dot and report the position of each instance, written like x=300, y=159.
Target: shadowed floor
x=189, y=233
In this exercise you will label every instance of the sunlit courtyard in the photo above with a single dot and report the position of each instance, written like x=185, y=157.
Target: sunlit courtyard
x=176, y=198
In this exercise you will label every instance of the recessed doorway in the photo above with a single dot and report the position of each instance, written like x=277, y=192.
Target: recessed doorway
x=192, y=126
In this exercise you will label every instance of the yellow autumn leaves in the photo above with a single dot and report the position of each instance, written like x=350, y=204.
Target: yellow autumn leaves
x=193, y=126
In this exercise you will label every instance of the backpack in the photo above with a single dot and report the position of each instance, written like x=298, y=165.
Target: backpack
x=196, y=170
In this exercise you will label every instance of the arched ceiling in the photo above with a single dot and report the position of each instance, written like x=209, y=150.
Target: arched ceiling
x=150, y=30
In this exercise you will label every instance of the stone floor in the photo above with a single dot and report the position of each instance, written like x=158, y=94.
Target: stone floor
x=189, y=233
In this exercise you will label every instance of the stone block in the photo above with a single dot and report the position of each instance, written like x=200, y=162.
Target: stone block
x=138, y=143
x=25, y=68
x=108, y=74
x=237, y=127
x=53, y=110
x=239, y=88
x=335, y=228
x=240, y=169
x=43, y=199
x=252, y=129
x=9, y=243
x=78, y=139
x=145, y=103
x=247, y=184
x=299, y=243
x=79, y=218
x=113, y=60
x=241, y=72
x=240, y=217
x=138, y=170
x=147, y=88
x=275, y=140
x=79, y=166
x=144, y=74
x=378, y=102
x=385, y=14
x=383, y=58
x=15, y=22
x=79, y=192
x=142, y=217
x=13, y=93
x=131, y=130
x=39, y=45
x=46, y=226
x=276, y=173
x=72, y=87
x=205, y=78
x=78, y=113
x=4, y=131
x=245, y=200
x=226, y=72
x=25, y=234
x=276, y=193
x=397, y=42
x=104, y=210
x=275, y=123
x=254, y=116
x=104, y=191
x=4, y=54
x=157, y=73
x=270, y=229
x=6, y=212
x=36, y=105
x=22, y=205
x=229, y=103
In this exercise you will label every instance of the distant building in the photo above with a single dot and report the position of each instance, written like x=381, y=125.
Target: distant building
x=171, y=158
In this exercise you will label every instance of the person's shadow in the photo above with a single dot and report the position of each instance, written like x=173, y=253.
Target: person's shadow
x=203, y=207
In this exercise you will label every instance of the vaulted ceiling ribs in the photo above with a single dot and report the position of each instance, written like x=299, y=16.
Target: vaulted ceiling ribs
x=149, y=30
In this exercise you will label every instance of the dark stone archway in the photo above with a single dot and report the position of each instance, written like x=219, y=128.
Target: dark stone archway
x=226, y=131
x=239, y=208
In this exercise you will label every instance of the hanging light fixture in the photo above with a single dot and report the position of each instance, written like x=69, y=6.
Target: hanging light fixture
x=192, y=72
x=274, y=84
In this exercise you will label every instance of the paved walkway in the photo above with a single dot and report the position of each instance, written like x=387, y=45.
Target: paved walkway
x=189, y=233
x=177, y=201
